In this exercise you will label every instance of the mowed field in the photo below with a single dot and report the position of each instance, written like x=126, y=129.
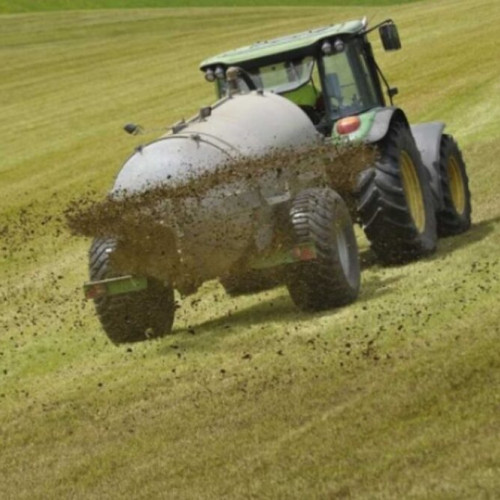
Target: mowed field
x=395, y=396
x=10, y=6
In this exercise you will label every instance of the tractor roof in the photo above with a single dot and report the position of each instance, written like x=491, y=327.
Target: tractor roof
x=298, y=41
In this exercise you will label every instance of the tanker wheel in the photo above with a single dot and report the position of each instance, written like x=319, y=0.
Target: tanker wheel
x=395, y=202
x=455, y=216
x=332, y=279
x=130, y=317
x=250, y=282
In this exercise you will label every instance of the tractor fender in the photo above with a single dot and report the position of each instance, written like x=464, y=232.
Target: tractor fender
x=428, y=139
x=381, y=122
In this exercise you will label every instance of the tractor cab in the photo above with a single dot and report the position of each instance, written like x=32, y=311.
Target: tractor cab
x=330, y=72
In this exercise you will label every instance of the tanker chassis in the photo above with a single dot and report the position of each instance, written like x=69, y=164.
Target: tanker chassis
x=284, y=225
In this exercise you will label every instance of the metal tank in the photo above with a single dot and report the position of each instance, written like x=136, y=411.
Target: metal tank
x=202, y=237
x=242, y=125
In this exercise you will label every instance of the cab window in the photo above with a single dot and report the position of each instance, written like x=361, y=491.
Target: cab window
x=348, y=84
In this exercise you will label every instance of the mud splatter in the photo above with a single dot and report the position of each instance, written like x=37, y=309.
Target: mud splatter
x=207, y=226
x=337, y=167
x=140, y=222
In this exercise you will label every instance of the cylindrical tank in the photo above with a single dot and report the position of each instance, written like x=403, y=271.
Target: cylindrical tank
x=211, y=232
x=244, y=125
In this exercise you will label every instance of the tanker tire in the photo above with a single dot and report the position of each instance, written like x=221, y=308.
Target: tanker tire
x=130, y=317
x=332, y=279
x=455, y=216
x=395, y=204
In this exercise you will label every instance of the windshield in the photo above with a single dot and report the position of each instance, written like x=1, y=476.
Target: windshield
x=284, y=76
x=278, y=78
x=348, y=83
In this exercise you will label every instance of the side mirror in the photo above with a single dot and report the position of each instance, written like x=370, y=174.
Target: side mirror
x=390, y=36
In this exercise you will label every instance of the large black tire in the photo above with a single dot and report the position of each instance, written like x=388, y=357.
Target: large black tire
x=332, y=279
x=455, y=215
x=395, y=203
x=130, y=317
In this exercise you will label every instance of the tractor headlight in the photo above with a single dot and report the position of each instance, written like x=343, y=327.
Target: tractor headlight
x=210, y=75
x=339, y=45
x=326, y=48
x=219, y=73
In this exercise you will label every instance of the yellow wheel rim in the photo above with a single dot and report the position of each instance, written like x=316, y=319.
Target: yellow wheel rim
x=456, y=183
x=412, y=191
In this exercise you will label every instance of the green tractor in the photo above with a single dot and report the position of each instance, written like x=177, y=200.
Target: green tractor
x=322, y=86
x=418, y=188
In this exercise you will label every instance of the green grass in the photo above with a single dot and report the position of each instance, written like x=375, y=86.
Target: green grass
x=395, y=396
x=11, y=6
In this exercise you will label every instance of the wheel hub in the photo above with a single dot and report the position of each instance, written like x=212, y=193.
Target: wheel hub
x=412, y=191
x=457, y=189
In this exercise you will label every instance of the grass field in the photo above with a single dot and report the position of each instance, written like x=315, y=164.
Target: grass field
x=10, y=6
x=395, y=396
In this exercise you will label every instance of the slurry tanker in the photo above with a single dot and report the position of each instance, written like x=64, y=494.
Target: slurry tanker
x=252, y=190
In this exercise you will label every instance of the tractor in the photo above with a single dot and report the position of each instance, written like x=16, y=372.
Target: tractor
x=321, y=88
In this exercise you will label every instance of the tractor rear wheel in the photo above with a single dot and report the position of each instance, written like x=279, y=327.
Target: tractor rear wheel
x=455, y=216
x=395, y=202
x=332, y=279
x=130, y=317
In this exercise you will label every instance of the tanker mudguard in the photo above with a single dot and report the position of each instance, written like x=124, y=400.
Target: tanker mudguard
x=428, y=139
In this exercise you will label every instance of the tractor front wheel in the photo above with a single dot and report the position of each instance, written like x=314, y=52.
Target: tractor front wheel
x=320, y=217
x=130, y=317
